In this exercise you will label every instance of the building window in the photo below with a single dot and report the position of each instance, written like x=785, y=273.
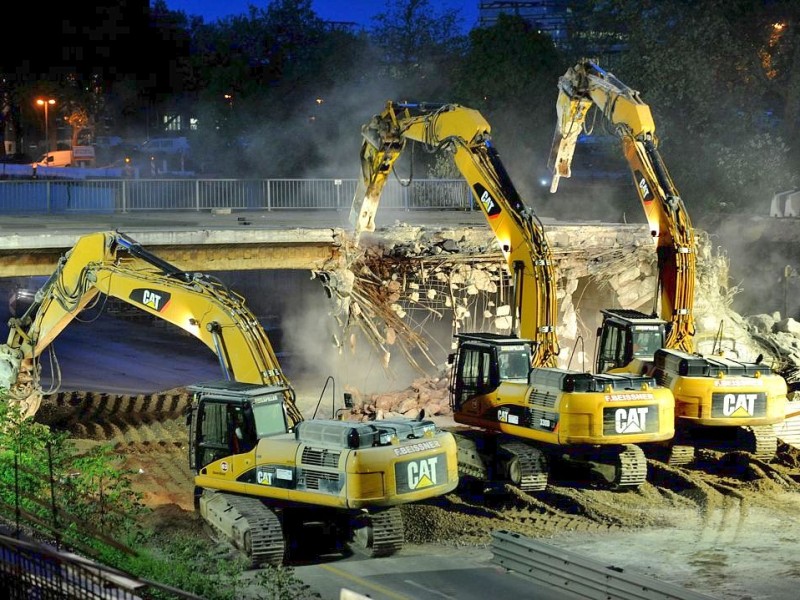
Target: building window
x=171, y=122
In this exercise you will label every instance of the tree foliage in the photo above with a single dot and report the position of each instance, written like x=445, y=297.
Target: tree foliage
x=85, y=502
x=278, y=92
x=417, y=46
x=510, y=73
x=87, y=496
x=721, y=80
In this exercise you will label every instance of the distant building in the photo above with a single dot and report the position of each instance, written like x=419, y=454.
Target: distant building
x=548, y=16
x=556, y=19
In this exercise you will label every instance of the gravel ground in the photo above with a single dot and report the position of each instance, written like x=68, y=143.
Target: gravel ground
x=726, y=526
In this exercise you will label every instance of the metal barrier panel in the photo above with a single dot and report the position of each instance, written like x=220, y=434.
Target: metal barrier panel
x=580, y=575
x=302, y=193
x=83, y=196
x=232, y=194
x=24, y=197
x=161, y=194
x=345, y=191
x=439, y=194
x=31, y=571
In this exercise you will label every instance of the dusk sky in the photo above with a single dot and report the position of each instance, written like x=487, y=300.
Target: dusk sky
x=359, y=11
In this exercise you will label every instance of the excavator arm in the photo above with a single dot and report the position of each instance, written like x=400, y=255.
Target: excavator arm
x=586, y=85
x=467, y=136
x=112, y=264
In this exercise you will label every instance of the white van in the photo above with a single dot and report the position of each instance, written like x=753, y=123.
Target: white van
x=57, y=158
x=79, y=156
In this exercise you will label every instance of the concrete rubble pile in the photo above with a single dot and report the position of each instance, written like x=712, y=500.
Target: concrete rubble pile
x=413, y=277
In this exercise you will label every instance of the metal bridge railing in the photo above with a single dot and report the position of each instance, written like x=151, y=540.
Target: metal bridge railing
x=43, y=196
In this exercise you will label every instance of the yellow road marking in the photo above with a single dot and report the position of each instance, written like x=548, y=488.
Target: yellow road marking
x=363, y=582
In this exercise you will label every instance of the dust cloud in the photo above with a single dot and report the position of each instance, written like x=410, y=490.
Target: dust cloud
x=320, y=359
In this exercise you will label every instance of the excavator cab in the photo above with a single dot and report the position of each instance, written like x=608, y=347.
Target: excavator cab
x=228, y=418
x=625, y=336
x=483, y=361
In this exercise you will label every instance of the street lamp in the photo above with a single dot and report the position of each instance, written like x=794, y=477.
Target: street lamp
x=46, y=103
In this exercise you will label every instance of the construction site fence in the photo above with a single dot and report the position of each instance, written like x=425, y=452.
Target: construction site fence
x=59, y=196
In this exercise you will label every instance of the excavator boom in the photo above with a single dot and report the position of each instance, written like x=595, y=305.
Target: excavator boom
x=112, y=264
x=586, y=85
x=465, y=134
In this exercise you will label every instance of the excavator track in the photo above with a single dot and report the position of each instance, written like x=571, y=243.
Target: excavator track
x=761, y=441
x=523, y=464
x=631, y=468
x=470, y=463
x=527, y=466
x=249, y=525
x=680, y=455
x=378, y=533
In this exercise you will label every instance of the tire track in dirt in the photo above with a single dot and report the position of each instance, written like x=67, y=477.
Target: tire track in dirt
x=111, y=417
x=718, y=492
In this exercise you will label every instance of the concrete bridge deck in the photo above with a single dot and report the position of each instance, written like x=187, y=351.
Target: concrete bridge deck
x=287, y=239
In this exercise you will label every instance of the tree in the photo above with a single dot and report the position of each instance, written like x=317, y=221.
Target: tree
x=510, y=73
x=288, y=78
x=418, y=46
x=79, y=120
x=723, y=84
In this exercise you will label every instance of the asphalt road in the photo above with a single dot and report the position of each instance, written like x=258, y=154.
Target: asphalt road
x=423, y=573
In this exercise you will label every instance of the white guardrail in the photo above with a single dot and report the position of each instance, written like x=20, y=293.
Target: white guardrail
x=785, y=204
x=50, y=195
x=579, y=575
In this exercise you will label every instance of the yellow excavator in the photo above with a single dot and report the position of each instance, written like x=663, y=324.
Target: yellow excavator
x=720, y=403
x=264, y=475
x=521, y=415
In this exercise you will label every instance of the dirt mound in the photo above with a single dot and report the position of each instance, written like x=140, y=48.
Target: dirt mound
x=712, y=483
x=706, y=523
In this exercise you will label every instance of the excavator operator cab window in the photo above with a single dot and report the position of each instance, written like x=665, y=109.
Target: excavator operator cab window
x=241, y=429
x=614, y=340
x=514, y=363
x=223, y=429
x=645, y=343
x=270, y=416
x=212, y=433
x=473, y=376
